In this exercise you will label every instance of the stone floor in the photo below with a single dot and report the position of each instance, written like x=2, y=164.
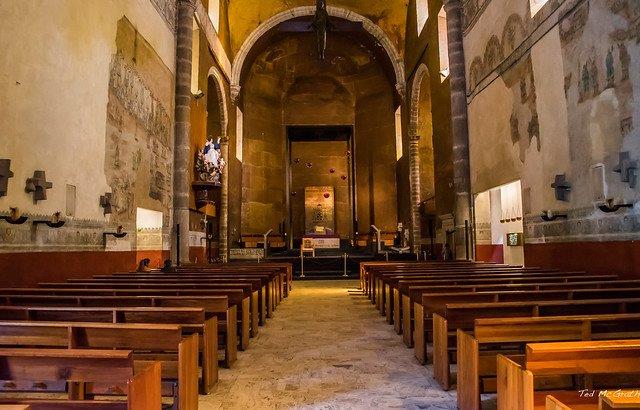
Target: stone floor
x=326, y=349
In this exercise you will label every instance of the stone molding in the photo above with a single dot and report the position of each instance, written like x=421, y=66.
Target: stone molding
x=415, y=99
x=369, y=26
x=583, y=224
x=222, y=100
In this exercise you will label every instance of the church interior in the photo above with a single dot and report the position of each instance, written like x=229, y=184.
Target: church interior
x=319, y=204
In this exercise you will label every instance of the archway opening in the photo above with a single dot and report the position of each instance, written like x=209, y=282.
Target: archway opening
x=284, y=84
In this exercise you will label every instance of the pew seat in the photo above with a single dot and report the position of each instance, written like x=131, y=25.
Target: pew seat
x=519, y=386
x=110, y=372
x=149, y=342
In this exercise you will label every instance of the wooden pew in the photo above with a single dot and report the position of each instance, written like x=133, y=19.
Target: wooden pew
x=164, y=283
x=376, y=273
x=213, y=306
x=236, y=300
x=366, y=267
x=415, y=293
x=477, y=350
x=378, y=277
x=191, y=320
x=281, y=275
x=604, y=400
x=25, y=368
x=239, y=296
x=268, y=300
x=433, y=302
x=385, y=292
x=383, y=277
x=411, y=291
x=517, y=383
x=454, y=316
x=150, y=342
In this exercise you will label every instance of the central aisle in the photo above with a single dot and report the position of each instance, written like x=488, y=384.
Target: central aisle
x=326, y=349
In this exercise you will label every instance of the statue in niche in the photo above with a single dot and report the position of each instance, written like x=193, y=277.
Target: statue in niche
x=321, y=25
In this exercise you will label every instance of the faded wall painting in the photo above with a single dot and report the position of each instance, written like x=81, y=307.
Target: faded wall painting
x=139, y=138
x=555, y=94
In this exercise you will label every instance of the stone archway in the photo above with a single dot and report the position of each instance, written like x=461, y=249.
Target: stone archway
x=368, y=25
x=221, y=94
x=414, y=154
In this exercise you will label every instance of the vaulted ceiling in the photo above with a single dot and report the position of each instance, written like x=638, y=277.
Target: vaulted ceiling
x=247, y=15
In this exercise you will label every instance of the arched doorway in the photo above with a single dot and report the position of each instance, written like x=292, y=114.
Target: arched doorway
x=217, y=123
x=279, y=83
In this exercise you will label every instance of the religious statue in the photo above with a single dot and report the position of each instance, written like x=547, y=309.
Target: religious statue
x=320, y=25
x=209, y=162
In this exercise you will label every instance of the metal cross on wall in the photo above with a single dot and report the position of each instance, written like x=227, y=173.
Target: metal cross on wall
x=5, y=174
x=38, y=185
x=627, y=169
x=561, y=186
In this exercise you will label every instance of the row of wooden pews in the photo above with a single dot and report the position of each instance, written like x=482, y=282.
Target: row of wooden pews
x=180, y=325
x=469, y=316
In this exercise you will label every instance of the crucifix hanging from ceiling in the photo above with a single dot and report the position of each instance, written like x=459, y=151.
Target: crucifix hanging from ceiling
x=321, y=25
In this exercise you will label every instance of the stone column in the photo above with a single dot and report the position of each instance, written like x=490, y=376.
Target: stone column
x=224, y=202
x=182, y=149
x=414, y=186
x=459, y=126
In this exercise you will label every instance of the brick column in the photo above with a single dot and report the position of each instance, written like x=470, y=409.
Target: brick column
x=459, y=126
x=182, y=149
x=414, y=186
x=224, y=202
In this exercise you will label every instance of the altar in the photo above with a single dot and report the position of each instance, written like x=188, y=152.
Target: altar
x=321, y=242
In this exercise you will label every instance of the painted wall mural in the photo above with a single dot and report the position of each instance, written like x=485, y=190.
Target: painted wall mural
x=138, y=158
x=562, y=87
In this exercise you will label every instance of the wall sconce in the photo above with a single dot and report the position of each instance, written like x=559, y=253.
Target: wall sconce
x=561, y=187
x=550, y=216
x=38, y=185
x=55, y=221
x=627, y=169
x=14, y=217
x=5, y=174
x=105, y=202
x=119, y=233
x=609, y=207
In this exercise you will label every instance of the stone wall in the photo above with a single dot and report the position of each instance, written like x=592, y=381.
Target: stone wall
x=87, y=96
x=263, y=168
x=316, y=162
x=428, y=111
x=554, y=94
x=284, y=86
x=375, y=154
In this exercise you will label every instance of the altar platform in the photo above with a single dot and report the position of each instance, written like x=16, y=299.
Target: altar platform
x=332, y=263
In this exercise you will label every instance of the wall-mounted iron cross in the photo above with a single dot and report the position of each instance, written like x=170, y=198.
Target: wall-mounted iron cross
x=561, y=187
x=5, y=174
x=627, y=169
x=38, y=184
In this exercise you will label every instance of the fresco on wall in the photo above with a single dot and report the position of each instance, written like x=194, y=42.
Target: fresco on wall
x=524, y=123
x=138, y=159
x=600, y=39
x=496, y=50
x=589, y=51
